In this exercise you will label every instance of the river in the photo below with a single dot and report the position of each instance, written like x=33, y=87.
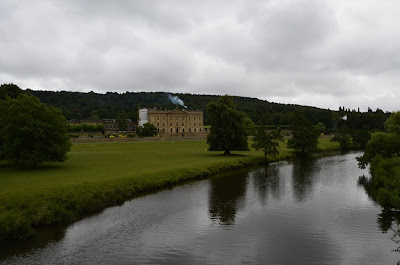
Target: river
x=306, y=211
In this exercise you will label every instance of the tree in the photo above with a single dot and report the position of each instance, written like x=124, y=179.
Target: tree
x=266, y=142
x=147, y=130
x=250, y=126
x=9, y=91
x=360, y=138
x=321, y=127
x=228, y=130
x=122, y=123
x=383, y=143
x=392, y=124
x=32, y=132
x=342, y=136
x=304, y=136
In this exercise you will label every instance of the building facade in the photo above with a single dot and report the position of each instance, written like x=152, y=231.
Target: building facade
x=178, y=122
x=112, y=126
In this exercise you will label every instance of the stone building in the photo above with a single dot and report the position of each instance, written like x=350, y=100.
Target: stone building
x=112, y=126
x=179, y=122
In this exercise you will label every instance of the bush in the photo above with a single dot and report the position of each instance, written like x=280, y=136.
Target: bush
x=14, y=226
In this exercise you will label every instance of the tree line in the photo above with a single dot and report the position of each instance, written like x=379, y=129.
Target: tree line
x=112, y=105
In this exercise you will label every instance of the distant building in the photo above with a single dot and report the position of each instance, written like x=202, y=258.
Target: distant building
x=112, y=126
x=174, y=122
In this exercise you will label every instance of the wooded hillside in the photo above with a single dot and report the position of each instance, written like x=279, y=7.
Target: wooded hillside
x=77, y=105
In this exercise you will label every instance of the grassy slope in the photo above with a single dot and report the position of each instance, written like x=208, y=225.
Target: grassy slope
x=101, y=174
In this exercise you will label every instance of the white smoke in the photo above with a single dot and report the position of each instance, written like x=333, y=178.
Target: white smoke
x=344, y=118
x=176, y=100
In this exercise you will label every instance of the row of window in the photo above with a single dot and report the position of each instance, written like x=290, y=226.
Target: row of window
x=177, y=130
x=176, y=124
x=176, y=118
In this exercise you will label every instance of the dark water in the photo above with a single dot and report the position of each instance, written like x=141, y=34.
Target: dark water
x=302, y=212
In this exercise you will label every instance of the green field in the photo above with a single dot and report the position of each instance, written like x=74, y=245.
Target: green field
x=97, y=175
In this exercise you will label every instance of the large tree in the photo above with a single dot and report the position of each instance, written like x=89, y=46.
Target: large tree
x=304, y=136
x=32, y=132
x=228, y=129
x=383, y=143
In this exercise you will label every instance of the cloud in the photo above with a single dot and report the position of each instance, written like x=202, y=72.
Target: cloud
x=321, y=53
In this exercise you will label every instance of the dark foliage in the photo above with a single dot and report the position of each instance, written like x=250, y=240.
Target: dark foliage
x=147, y=130
x=267, y=142
x=9, y=91
x=228, y=127
x=32, y=132
x=305, y=136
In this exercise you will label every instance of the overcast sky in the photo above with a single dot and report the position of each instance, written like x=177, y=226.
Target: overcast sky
x=319, y=53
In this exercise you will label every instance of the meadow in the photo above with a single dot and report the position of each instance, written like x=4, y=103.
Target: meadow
x=97, y=175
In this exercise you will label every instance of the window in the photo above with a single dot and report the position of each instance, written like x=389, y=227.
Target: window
x=158, y=118
x=183, y=124
x=158, y=124
x=170, y=124
x=163, y=124
x=194, y=124
x=176, y=124
x=171, y=129
x=190, y=130
x=194, y=118
x=194, y=129
x=200, y=130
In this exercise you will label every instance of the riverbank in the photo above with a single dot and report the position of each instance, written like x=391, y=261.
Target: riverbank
x=99, y=175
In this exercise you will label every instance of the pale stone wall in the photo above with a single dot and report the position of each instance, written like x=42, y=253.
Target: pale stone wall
x=177, y=122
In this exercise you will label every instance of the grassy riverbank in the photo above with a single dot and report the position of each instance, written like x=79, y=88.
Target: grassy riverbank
x=103, y=174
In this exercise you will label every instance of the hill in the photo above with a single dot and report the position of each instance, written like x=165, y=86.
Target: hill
x=78, y=105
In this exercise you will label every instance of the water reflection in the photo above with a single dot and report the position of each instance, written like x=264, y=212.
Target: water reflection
x=303, y=212
x=227, y=196
x=303, y=177
x=266, y=181
x=43, y=237
x=388, y=221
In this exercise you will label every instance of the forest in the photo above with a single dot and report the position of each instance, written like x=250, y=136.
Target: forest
x=112, y=105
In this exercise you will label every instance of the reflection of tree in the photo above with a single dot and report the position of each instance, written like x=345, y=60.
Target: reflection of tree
x=388, y=221
x=266, y=180
x=227, y=196
x=303, y=177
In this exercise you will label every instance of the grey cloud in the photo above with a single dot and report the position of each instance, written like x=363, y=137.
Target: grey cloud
x=324, y=53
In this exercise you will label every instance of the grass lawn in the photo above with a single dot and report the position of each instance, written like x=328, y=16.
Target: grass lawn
x=101, y=174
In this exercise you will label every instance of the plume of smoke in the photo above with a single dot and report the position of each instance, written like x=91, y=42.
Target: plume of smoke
x=176, y=100
x=344, y=118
